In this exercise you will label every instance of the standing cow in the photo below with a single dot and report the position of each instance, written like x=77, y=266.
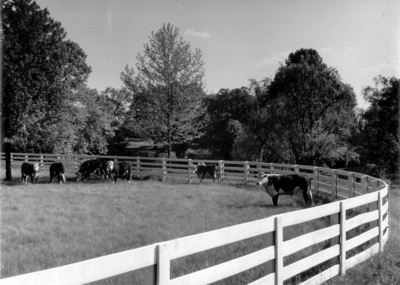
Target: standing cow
x=202, y=169
x=288, y=183
x=57, y=170
x=122, y=168
x=29, y=169
x=97, y=166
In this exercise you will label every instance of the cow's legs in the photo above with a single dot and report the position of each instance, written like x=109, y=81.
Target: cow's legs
x=202, y=177
x=308, y=198
x=275, y=200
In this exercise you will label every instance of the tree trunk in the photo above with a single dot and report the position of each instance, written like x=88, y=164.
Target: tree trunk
x=7, y=149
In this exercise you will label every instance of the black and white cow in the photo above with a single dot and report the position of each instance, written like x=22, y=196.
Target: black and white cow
x=30, y=169
x=97, y=166
x=202, y=169
x=286, y=184
x=120, y=168
x=57, y=170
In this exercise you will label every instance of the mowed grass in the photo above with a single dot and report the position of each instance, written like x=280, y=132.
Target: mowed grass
x=49, y=225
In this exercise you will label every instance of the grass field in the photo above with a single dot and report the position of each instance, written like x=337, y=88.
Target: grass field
x=48, y=225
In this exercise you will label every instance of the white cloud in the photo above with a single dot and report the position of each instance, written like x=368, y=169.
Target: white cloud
x=274, y=59
x=384, y=68
x=193, y=33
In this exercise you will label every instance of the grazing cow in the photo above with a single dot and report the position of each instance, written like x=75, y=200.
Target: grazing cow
x=288, y=183
x=97, y=166
x=29, y=169
x=202, y=169
x=121, y=168
x=57, y=169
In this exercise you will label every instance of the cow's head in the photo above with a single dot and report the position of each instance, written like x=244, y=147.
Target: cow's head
x=193, y=168
x=110, y=166
x=262, y=178
x=36, y=169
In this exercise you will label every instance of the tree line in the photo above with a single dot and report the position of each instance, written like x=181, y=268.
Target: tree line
x=304, y=114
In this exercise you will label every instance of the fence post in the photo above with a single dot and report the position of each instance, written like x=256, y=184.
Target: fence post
x=296, y=168
x=138, y=166
x=334, y=185
x=41, y=162
x=164, y=169
x=380, y=222
x=364, y=184
x=221, y=170
x=246, y=172
x=278, y=251
x=373, y=207
x=26, y=158
x=316, y=179
x=350, y=184
x=342, y=239
x=272, y=168
x=164, y=266
x=190, y=163
x=75, y=164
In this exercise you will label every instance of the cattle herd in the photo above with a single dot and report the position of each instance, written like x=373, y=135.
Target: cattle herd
x=275, y=184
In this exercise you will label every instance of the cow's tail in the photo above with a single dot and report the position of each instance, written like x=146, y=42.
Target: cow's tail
x=63, y=178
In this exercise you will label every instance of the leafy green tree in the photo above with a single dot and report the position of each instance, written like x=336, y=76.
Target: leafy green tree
x=312, y=109
x=226, y=111
x=116, y=103
x=380, y=137
x=41, y=71
x=167, y=103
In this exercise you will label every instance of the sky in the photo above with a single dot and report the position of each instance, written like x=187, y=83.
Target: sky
x=239, y=40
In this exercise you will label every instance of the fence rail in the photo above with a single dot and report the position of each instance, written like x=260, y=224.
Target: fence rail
x=351, y=189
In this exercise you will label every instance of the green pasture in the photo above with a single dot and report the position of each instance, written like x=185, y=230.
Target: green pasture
x=49, y=225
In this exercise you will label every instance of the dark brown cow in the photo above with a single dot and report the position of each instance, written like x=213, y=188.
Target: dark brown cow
x=202, y=169
x=121, y=168
x=285, y=184
x=30, y=169
x=97, y=166
x=57, y=170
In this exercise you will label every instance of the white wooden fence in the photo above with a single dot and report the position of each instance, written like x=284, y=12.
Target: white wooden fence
x=352, y=189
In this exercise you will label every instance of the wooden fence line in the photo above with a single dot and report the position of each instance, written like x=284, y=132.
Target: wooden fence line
x=352, y=189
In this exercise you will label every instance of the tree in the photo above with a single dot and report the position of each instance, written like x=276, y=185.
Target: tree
x=226, y=111
x=380, y=138
x=116, y=103
x=312, y=109
x=168, y=93
x=41, y=71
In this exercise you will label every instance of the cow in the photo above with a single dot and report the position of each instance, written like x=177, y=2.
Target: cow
x=286, y=184
x=121, y=168
x=29, y=169
x=202, y=169
x=97, y=166
x=57, y=170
